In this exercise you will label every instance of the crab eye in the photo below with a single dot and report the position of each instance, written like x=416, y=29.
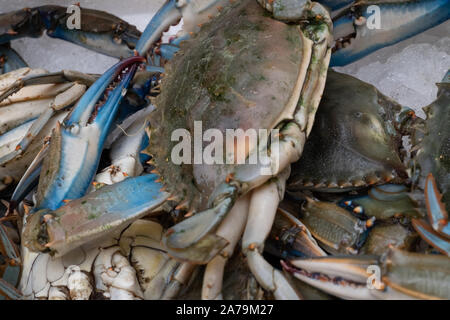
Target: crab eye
x=358, y=114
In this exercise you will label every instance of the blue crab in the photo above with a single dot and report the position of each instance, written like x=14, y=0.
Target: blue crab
x=99, y=30
x=87, y=127
x=390, y=237
x=431, y=164
x=404, y=275
x=110, y=35
x=32, y=101
x=215, y=231
x=40, y=224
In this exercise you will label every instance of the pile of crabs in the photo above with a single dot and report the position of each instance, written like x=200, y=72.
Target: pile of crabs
x=351, y=200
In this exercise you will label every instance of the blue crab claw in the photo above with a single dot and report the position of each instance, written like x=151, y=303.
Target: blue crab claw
x=9, y=291
x=382, y=202
x=167, y=15
x=29, y=179
x=98, y=30
x=341, y=276
x=397, y=275
x=92, y=216
x=193, y=12
x=77, y=143
x=192, y=240
x=357, y=32
x=437, y=214
x=168, y=51
x=433, y=238
x=199, y=246
x=9, y=59
x=437, y=231
x=32, y=128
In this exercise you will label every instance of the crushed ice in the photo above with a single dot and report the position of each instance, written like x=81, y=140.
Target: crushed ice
x=406, y=72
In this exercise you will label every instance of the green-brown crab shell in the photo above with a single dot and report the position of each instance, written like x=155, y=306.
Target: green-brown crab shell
x=432, y=138
x=356, y=139
x=417, y=275
x=242, y=70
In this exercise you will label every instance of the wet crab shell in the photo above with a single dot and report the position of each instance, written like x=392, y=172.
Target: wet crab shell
x=242, y=70
x=355, y=140
x=432, y=138
x=417, y=275
x=94, y=25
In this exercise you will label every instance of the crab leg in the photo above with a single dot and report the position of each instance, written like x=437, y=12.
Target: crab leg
x=399, y=20
x=121, y=284
x=90, y=217
x=168, y=51
x=438, y=234
x=193, y=12
x=100, y=31
x=292, y=236
x=160, y=277
x=167, y=15
x=262, y=211
x=16, y=168
x=230, y=229
x=245, y=178
x=60, y=102
x=323, y=273
x=437, y=214
x=125, y=152
x=177, y=280
x=83, y=132
x=170, y=279
x=431, y=236
x=224, y=198
x=64, y=76
x=68, y=85
x=9, y=291
x=29, y=179
x=30, y=102
x=12, y=137
x=402, y=275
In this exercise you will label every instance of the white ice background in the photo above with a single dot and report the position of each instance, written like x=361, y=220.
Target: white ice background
x=407, y=71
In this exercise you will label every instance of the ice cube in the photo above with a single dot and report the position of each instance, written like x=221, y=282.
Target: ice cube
x=408, y=71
